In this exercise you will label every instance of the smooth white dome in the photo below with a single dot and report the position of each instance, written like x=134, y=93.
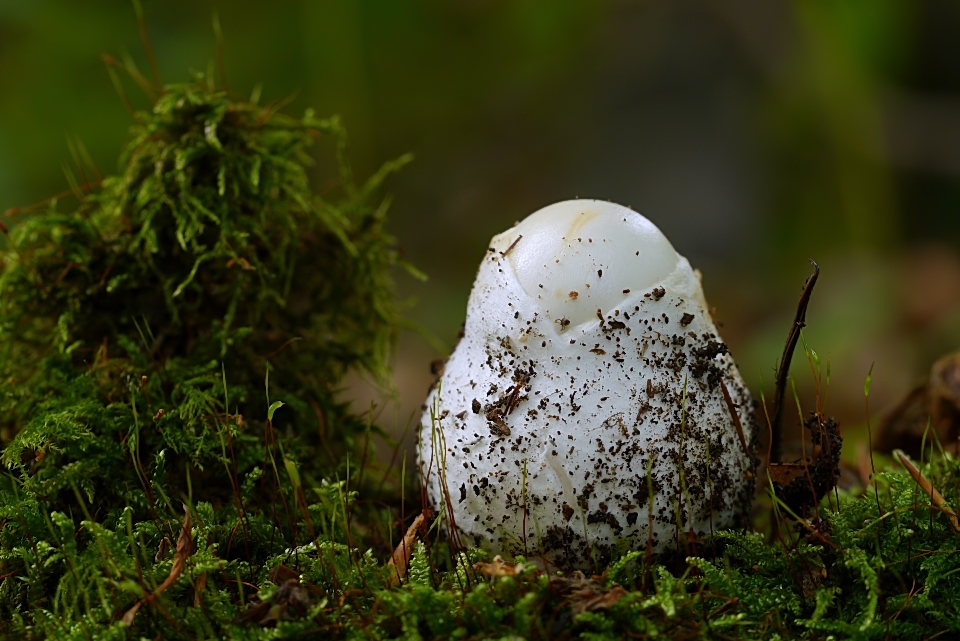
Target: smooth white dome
x=579, y=256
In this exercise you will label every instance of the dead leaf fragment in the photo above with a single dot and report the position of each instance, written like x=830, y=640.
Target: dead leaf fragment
x=810, y=575
x=401, y=555
x=594, y=600
x=936, y=403
x=281, y=574
x=802, y=484
x=586, y=595
x=184, y=550
x=162, y=549
x=290, y=602
x=498, y=568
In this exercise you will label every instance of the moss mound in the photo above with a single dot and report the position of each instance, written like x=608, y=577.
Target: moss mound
x=138, y=329
x=207, y=261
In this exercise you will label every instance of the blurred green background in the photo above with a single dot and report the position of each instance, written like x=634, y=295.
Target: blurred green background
x=755, y=133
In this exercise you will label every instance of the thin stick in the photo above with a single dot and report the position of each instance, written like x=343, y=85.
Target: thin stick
x=512, y=245
x=799, y=322
x=931, y=491
x=736, y=417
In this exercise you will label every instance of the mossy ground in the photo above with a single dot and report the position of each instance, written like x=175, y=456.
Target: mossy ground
x=178, y=463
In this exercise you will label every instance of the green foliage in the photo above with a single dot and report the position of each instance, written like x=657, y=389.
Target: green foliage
x=210, y=243
x=128, y=324
x=863, y=575
x=136, y=332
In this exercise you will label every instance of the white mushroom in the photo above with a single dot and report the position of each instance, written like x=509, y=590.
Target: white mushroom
x=590, y=406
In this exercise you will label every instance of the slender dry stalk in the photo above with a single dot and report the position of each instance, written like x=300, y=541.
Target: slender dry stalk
x=927, y=486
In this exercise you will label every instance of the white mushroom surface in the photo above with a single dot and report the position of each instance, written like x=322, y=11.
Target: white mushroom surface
x=590, y=406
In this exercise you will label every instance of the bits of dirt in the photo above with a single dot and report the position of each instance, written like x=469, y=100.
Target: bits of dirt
x=802, y=484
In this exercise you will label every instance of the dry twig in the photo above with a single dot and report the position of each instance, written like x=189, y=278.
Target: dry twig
x=783, y=372
x=931, y=491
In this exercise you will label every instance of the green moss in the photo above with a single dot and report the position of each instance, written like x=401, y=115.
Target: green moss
x=206, y=262
x=138, y=330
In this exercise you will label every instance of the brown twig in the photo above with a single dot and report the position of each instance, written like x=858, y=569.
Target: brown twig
x=931, y=491
x=783, y=372
x=512, y=245
x=736, y=417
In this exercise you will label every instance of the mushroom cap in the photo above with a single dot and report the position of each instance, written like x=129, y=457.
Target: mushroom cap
x=590, y=407
x=593, y=248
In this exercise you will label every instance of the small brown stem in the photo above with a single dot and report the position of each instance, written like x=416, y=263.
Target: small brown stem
x=931, y=491
x=736, y=417
x=783, y=372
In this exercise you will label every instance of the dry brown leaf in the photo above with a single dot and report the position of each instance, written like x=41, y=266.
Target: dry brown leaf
x=591, y=599
x=184, y=550
x=586, y=595
x=497, y=568
x=401, y=556
x=290, y=601
x=162, y=549
x=931, y=491
x=281, y=574
x=935, y=403
x=810, y=575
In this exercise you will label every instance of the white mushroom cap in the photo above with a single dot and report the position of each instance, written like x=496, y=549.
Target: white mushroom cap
x=590, y=373
x=600, y=250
